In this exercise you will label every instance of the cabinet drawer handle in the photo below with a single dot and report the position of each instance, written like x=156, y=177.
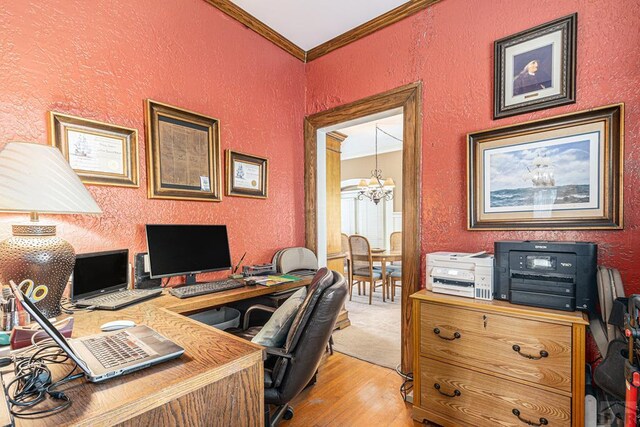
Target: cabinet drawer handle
x=455, y=336
x=542, y=422
x=543, y=353
x=456, y=392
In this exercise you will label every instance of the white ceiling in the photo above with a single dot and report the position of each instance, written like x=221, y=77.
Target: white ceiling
x=361, y=138
x=310, y=23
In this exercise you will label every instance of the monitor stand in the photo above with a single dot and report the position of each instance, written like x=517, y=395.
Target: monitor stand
x=190, y=279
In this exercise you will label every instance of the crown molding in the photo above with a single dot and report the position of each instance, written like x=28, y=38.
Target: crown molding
x=394, y=15
x=399, y=13
x=259, y=27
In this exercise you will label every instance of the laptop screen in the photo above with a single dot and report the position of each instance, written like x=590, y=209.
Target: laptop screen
x=51, y=330
x=99, y=272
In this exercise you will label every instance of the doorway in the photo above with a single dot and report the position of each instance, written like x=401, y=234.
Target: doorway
x=407, y=100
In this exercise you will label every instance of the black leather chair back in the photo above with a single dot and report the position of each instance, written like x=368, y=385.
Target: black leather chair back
x=309, y=334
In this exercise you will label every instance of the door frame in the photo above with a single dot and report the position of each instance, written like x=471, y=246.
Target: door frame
x=409, y=98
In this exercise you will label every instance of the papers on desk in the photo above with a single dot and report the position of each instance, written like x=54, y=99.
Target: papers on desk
x=271, y=280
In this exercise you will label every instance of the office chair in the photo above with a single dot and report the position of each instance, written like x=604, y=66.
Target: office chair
x=288, y=370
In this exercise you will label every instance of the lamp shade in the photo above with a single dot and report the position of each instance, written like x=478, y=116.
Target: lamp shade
x=388, y=183
x=37, y=178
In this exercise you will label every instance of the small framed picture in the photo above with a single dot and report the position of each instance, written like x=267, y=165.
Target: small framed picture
x=247, y=176
x=559, y=173
x=183, y=154
x=100, y=153
x=536, y=69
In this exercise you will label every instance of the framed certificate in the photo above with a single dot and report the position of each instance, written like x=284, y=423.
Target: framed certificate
x=246, y=175
x=183, y=154
x=100, y=153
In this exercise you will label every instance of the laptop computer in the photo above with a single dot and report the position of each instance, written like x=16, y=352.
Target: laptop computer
x=100, y=281
x=108, y=354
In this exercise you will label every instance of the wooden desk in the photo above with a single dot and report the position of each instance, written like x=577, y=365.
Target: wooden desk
x=218, y=380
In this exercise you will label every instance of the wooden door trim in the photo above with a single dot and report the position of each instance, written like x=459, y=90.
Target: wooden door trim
x=409, y=98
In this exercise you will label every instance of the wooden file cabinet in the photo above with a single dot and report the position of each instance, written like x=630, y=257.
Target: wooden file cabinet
x=488, y=363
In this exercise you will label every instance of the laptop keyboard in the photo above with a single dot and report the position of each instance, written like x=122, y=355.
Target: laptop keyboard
x=114, y=350
x=116, y=297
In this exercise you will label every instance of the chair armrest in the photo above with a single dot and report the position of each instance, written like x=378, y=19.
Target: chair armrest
x=253, y=308
x=279, y=352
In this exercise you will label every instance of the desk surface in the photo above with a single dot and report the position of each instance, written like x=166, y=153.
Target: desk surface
x=210, y=355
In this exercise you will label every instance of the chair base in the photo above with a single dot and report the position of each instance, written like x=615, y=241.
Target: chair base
x=282, y=412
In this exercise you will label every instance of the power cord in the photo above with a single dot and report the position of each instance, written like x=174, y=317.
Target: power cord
x=69, y=307
x=33, y=382
x=407, y=384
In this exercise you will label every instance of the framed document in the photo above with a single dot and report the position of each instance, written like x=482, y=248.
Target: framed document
x=559, y=173
x=247, y=175
x=100, y=153
x=536, y=68
x=183, y=154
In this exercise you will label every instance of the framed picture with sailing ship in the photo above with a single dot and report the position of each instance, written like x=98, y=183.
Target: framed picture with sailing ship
x=559, y=173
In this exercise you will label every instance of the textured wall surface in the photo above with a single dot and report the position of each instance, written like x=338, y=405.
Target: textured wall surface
x=100, y=59
x=449, y=47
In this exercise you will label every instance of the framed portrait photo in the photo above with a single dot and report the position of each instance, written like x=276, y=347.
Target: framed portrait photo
x=247, y=176
x=559, y=173
x=100, y=153
x=536, y=69
x=183, y=154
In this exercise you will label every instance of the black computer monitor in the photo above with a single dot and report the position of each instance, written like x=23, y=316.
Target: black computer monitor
x=99, y=272
x=176, y=250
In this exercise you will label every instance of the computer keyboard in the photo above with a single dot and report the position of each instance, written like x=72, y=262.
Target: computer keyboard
x=205, y=288
x=124, y=296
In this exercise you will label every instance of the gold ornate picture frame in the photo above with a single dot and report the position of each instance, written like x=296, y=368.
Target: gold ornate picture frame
x=100, y=153
x=247, y=175
x=183, y=154
x=564, y=172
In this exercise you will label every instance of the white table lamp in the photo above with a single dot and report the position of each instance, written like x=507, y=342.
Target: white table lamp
x=36, y=178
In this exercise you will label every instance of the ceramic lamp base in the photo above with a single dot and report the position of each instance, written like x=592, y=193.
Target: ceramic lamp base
x=35, y=252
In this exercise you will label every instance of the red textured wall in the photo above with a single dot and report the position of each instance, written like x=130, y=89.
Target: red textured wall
x=100, y=59
x=449, y=47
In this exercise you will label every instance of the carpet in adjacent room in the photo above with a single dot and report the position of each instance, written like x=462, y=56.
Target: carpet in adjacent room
x=374, y=334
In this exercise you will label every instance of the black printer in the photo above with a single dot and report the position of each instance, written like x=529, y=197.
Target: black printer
x=559, y=275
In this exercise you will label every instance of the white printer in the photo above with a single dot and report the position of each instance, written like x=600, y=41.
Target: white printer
x=463, y=274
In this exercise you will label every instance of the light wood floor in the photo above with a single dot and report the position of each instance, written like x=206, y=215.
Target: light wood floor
x=350, y=392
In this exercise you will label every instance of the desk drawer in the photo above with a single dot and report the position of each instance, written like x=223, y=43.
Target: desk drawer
x=469, y=398
x=530, y=350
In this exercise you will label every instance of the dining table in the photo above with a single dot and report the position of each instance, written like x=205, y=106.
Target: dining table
x=383, y=257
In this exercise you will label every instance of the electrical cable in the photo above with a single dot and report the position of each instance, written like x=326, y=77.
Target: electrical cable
x=407, y=384
x=33, y=382
x=69, y=307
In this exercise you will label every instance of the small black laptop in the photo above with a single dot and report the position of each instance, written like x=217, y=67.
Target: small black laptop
x=100, y=281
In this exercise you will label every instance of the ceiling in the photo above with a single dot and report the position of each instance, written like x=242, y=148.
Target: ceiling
x=361, y=138
x=309, y=29
x=309, y=23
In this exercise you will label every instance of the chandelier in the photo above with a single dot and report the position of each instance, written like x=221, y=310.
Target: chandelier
x=377, y=188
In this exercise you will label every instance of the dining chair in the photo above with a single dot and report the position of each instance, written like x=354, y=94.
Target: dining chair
x=393, y=278
x=344, y=243
x=362, y=267
x=395, y=245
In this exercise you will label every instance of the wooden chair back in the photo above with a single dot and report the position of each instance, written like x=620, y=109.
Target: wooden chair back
x=396, y=241
x=360, y=252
